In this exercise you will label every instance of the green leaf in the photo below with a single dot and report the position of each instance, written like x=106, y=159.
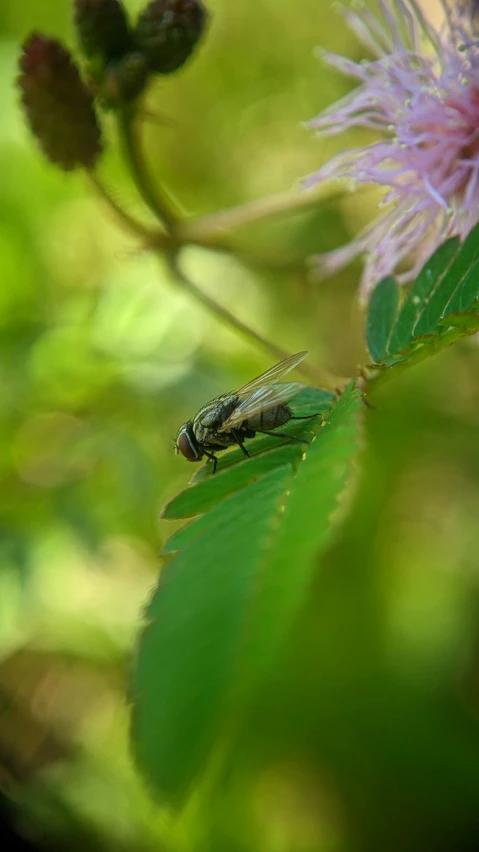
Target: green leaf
x=466, y=293
x=239, y=576
x=189, y=649
x=440, y=307
x=451, y=280
x=305, y=528
x=403, y=329
x=186, y=534
x=204, y=495
x=468, y=321
x=382, y=313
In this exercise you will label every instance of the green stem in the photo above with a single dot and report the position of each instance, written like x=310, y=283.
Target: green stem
x=224, y=315
x=131, y=224
x=208, y=231
x=154, y=198
x=213, y=231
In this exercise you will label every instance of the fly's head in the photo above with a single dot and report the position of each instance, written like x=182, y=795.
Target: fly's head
x=186, y=443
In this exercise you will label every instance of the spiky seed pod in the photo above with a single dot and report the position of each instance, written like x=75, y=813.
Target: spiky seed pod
x=58, y=105
x=124, y=81
x=103, y=28
x=167, y=32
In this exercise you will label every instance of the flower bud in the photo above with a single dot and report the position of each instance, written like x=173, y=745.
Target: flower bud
x=58, y=105
x=103, y=28
x=124, y=81
x=167, y=32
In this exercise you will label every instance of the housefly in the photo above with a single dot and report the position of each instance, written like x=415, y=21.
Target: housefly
x=259, y=406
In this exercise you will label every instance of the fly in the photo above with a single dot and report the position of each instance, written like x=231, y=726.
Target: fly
x=259, y=406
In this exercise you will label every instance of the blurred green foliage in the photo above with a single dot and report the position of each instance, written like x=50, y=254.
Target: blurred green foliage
x=368, y=740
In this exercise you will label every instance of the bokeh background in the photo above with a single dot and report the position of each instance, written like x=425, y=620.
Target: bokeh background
x=369, y=739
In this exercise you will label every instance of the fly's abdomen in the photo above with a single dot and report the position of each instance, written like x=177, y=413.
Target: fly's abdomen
x=277, y=416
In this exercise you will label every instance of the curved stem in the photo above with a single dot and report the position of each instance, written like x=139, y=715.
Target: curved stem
x=213, y=230
x=131, y=224
x=156, y=200
x=223, y=314
x=208, y=231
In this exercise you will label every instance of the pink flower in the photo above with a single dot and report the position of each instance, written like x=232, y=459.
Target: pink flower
x=421, y=93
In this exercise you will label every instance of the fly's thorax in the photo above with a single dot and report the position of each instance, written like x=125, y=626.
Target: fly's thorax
x=212, y=416
x=210, y=438
x=271, y=419
x=214, y=413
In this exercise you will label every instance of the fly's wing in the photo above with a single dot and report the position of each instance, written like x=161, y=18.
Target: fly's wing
x=262, y=399
x=273, y=374
x=261, y=394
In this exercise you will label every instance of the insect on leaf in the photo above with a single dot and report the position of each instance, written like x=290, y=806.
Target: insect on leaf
x=193, y=668
x=308, y=402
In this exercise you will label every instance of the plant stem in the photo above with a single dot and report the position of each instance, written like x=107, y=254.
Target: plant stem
x=207, y=231
x=213, y=230
x=129, y=222
x=223, y=314
x=157, y=201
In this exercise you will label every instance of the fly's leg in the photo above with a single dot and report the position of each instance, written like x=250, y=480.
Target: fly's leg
x=290, y=437
x=239, y=441
x=283, y=435
x=213, y=458
x=307, y=416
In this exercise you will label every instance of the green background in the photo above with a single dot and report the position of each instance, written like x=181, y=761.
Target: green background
x=368, y=739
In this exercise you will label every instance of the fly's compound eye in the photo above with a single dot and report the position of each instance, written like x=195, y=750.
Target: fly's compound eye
x=185, y=446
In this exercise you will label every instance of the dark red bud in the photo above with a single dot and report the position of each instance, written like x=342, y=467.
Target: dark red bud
x=168, y=31
x=103, y=28
x=58, y=105
x=125, y=80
